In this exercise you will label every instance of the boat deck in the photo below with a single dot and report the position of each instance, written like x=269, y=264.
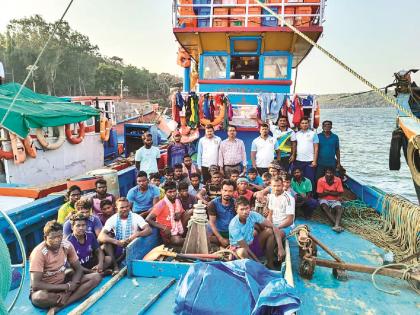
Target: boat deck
x=322, y=295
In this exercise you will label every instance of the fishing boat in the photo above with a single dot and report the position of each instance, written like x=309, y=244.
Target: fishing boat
x=241, y=52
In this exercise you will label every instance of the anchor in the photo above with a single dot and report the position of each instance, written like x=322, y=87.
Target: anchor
x=308, y=253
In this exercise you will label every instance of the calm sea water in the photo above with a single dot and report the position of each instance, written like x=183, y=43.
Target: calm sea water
x=365, y=136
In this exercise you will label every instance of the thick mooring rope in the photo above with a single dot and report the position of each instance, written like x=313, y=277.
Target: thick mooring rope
x=402, y=221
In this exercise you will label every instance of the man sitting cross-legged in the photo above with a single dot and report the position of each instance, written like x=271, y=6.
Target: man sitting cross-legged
x=50, y=287
x=243, y=241
x=169, y=217
x=329, y=190
x=90, y=254
x=221, y=210
x=120, y=229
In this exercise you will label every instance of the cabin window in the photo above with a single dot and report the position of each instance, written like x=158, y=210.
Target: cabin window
x=214, y=67
x=244, y=67
x=275, y=67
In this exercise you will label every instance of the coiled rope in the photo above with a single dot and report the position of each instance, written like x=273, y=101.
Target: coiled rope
x=402, y=222
x=389, y=99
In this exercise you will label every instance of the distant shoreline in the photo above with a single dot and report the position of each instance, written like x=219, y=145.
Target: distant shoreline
x=352, y=100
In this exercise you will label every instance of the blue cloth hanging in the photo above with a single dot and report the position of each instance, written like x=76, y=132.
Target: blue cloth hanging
x=206, y=107
x=179, y=100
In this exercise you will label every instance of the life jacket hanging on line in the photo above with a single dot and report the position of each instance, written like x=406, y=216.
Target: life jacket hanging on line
x=298, y=111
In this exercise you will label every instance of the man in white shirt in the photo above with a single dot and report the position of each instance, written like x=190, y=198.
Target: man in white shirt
x=280, y=207
x=120, y=229
x=262, y=150
x=147, y=157
x=208, y=152
x=305, y=145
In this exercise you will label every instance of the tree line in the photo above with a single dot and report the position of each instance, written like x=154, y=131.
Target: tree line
x=72, y=65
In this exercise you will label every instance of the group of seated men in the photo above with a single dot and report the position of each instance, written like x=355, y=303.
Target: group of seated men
x=249, y=214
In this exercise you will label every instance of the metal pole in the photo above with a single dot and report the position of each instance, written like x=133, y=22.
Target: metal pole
x=187, y=80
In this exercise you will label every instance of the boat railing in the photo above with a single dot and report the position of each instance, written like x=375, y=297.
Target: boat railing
x=246, y=13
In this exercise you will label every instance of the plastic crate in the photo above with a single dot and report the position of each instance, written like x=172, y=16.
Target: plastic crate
x=236, y=20
x=218, y=21
x=203, y=22
x=303, y=21
x=270, y=21
x=197, y=9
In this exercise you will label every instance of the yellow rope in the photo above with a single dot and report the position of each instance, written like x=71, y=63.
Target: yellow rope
x=402, y=221
x=389, y=99
x=406, y=276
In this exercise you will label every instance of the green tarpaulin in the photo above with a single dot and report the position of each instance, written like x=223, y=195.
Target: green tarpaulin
x=33, y=110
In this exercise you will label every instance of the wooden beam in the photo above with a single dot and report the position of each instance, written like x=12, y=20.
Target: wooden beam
x=83, y=307
x=394, y=273
x=292, y=45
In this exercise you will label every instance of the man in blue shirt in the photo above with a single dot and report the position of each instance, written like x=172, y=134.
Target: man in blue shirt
x=241, y=235
x=255, y=181
x=329, y=149
x=221, y=210
x=143, y=196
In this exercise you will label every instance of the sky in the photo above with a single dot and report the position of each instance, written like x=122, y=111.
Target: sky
x=374, y=37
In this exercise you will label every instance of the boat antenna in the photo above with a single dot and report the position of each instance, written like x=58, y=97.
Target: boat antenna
x=32, y=68
x=389, y=99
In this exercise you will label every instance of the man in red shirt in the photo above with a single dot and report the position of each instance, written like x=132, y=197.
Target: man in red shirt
x=169, y=217
x=329, y=190
x=242, y=189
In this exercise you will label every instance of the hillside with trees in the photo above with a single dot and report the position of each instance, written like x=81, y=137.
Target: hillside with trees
x=72, y=65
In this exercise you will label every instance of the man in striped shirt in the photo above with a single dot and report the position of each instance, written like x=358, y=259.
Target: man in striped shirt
x=232, y=155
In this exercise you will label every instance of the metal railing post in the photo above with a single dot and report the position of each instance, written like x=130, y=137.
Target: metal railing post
x=246, y=13
x=282, y=12
x=211, y=13
x=321, y=12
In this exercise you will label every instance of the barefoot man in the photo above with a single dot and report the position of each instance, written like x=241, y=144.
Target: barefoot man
x=50, y=287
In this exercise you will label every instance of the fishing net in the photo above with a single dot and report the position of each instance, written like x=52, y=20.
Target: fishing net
x=396, y=230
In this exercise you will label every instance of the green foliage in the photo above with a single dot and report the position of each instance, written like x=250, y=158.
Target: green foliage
x=71, y=64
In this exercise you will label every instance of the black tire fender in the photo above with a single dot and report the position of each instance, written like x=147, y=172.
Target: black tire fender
x=395, y=150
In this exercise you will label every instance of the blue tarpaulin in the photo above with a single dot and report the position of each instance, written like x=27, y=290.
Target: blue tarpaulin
x=236, y=287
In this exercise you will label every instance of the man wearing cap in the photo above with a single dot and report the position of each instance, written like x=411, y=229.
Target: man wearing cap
x=207, y=152
x=232, y=155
